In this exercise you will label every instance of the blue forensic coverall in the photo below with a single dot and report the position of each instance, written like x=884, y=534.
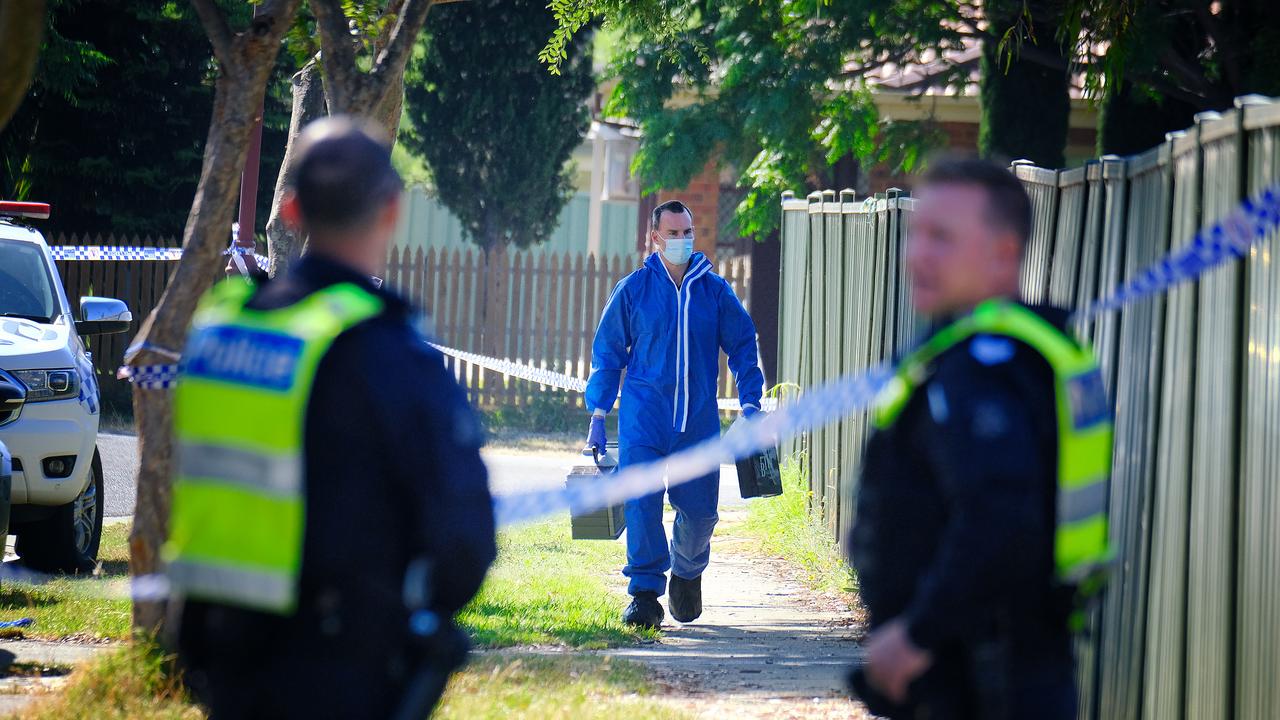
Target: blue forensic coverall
x=668, y=339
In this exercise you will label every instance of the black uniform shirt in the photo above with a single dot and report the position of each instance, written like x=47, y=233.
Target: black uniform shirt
x=955, y=507
x=393, y=472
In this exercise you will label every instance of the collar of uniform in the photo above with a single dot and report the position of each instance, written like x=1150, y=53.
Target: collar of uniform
x=314, y=272
x=696, y=261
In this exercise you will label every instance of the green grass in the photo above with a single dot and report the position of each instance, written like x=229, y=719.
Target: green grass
x=136, y=681
x=546, y=589
x=790, y=527
x=131, y=682
x=498, y=687
x=74, y=607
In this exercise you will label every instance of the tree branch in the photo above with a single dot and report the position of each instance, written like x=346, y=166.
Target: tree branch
x=337, y=55
x=1227, y=47
x=219, y=32
x=1192, y=78
x=394, y=8
x=393, y=58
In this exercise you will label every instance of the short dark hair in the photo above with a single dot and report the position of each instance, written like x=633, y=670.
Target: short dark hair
x=670, y=206
x=1007, y=201
x=343, y=173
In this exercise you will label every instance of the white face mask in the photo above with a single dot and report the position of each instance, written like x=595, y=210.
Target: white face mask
x=678, y=250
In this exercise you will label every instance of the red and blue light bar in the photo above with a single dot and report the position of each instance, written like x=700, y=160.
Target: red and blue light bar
x=32, y=210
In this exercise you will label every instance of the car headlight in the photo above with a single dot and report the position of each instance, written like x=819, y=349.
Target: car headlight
x=44, y=385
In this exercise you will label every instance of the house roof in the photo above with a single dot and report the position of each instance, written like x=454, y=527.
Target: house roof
x=936, y=73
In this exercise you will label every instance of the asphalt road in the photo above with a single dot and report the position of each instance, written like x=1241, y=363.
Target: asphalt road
x=508, y=473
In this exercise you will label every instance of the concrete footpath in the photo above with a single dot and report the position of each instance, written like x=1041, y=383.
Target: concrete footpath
x=765, y=647
x=31, y=669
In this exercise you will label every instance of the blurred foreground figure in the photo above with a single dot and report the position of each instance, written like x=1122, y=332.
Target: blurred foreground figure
x=981, y=521
x=330, y=512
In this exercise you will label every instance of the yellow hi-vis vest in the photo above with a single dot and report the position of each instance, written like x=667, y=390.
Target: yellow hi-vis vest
x=1081, y=552
x=237, y=518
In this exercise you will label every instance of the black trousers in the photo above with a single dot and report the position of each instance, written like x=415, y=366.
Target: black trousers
x=243, y=665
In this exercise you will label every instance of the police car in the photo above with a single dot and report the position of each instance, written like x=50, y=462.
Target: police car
x=49, y=400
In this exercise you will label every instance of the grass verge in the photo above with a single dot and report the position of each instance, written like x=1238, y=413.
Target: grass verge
x=74, y=607
x=498, y=687
x=547, y=589
x=790, y=526
x=134, y=682
x=125, y=684
x=544, y=589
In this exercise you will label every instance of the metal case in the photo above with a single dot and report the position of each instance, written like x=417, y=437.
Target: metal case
x=759, y=474
x=605, y=523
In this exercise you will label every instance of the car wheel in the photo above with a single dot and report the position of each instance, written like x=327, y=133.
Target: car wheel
x=67, y=541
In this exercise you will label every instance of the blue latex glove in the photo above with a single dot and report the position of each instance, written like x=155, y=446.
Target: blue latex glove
x=595, y=436
x=750, y=411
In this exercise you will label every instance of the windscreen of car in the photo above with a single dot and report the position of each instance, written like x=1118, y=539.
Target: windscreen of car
x=25, y=287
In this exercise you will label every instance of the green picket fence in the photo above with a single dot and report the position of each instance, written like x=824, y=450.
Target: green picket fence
x=1190, y=626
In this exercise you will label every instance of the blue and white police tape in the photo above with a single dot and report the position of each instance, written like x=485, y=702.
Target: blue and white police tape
x=551, y=378
x=133, y=253
x=150, y=377
x=1228, y=239
x=542, y=376
x=824, y=404
x=100, y=252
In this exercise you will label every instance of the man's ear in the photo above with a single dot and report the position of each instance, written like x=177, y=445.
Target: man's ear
x=655, y=239
x=390, y=213
x=1010, y=249
x=291, y=211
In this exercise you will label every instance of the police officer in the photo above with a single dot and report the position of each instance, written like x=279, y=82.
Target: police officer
x=981, y=511
x=665, y=324
x=329, y=477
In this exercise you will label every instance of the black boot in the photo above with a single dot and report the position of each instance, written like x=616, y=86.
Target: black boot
x=685, y=598
x=644, y=611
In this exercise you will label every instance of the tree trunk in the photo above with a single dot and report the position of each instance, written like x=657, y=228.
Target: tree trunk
x=1131, y=122
x=283, y=244
x=21, y=31
x=246, y=62
x=1026, y=106
x=386, y=113
x=312, y=100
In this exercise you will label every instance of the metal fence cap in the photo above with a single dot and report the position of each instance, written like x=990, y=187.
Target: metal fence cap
x=1113, y=167
x=1205, y=116
x=1027, y=171
x=1259, y=112
x=1093, y=169
x=1147, y=161
x=848, y=193
x=1074, y=176
x=789, y=201
x=1252, y=99
x=1217, y=128
x=1185, y=141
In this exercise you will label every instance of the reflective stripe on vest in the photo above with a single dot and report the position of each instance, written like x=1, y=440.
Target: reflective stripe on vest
x=1084, y=426
x=237, y=519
